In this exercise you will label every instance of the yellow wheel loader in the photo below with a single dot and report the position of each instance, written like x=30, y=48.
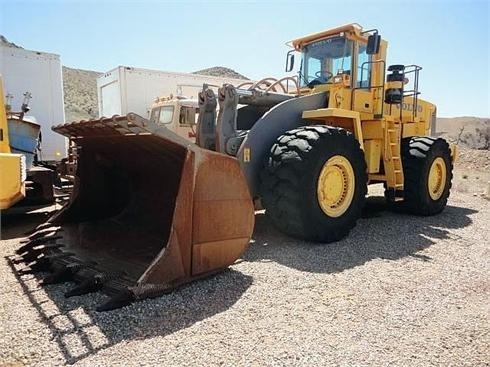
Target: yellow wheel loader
x=151, y=211
x=12, y=166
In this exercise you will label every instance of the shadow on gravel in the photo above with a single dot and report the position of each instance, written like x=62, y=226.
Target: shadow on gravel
x=379, y=234
x=80, y=331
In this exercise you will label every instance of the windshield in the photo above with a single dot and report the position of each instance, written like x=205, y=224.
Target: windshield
x=324, y=59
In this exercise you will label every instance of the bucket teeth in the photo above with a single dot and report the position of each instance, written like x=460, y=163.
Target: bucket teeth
x=39, y=228
x=34, y=253
x=123, y=298
x=41, y=264
x=64, y=274
x=37, y=242
x=44, y=263
x=43, y=233
x=59, y=255
x=90, y=285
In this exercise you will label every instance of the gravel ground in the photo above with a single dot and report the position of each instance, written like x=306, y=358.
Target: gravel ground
x=399, y=291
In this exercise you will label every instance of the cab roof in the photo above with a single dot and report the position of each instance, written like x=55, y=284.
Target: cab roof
x=299, y=43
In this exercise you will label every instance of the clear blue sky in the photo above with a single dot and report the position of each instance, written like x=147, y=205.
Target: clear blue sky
x=449, y=39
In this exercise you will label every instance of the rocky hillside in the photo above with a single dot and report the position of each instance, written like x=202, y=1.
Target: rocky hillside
x=5, y=42
x=470, y=132
x=80, y=89
x=221, y=72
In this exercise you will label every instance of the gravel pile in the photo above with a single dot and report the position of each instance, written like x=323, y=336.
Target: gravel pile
x=399, y=291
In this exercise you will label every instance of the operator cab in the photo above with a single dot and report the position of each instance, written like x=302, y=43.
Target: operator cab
x=178, y=114
x=342, y=56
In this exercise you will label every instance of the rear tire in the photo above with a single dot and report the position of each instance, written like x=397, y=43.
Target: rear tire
x=314, y=183
x=428, y=172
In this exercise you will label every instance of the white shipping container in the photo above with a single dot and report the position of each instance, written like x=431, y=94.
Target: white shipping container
x=40, y=74
x=127, y=89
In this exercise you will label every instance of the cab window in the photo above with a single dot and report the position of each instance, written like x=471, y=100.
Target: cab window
x=188, y=115
x=363, y=70
x=162, y=115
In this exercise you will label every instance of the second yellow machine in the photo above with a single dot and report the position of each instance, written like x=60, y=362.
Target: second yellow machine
x=151, y=210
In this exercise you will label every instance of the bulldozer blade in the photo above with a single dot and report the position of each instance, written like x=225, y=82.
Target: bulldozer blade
x=149, y=211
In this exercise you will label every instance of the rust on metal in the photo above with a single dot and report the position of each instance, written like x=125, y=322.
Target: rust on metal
x=149, y=211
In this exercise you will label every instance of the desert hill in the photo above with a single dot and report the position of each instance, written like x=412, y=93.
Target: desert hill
x=221, y=71
x=5, y=42
x=471, y=132
x=80, y=91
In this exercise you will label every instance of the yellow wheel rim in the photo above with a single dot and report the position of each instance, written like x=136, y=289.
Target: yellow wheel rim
x=336, y=185
x=437, y=178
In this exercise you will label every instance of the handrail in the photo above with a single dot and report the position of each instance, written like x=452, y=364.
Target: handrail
x=272, y=83
x=285, y=89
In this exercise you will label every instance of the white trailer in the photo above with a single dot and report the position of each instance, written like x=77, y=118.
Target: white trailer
x=128, y=89
x=40, y=74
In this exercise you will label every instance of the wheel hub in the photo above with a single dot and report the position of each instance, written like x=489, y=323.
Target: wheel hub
x=335, y=188
x=437, y=178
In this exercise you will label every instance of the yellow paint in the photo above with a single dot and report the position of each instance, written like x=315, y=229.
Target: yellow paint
x=363, y=101
x=372, y=155
x=12, y=178
x=299, y=43
x=376, y=177
x=12, y=166
x=336, y=186
x=392, y=160
x=454, y=152
x=364, y=112
x=437, y=178
x=349, y=120
x=409, y=129
x=372, y=129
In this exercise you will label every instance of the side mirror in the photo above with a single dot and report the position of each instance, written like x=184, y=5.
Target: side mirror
x=373, y=43
x=289, y=61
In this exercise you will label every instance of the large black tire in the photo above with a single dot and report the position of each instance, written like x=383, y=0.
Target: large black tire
x=419, y=154
x=290, y=181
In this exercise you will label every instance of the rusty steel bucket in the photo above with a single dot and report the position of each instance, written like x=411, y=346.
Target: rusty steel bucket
x=149, y=211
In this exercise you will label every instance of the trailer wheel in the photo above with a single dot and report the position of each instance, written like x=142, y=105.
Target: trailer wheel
x=428, y=172
x=314, y=183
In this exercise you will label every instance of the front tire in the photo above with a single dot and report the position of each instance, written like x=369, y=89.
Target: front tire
x=314, y=183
